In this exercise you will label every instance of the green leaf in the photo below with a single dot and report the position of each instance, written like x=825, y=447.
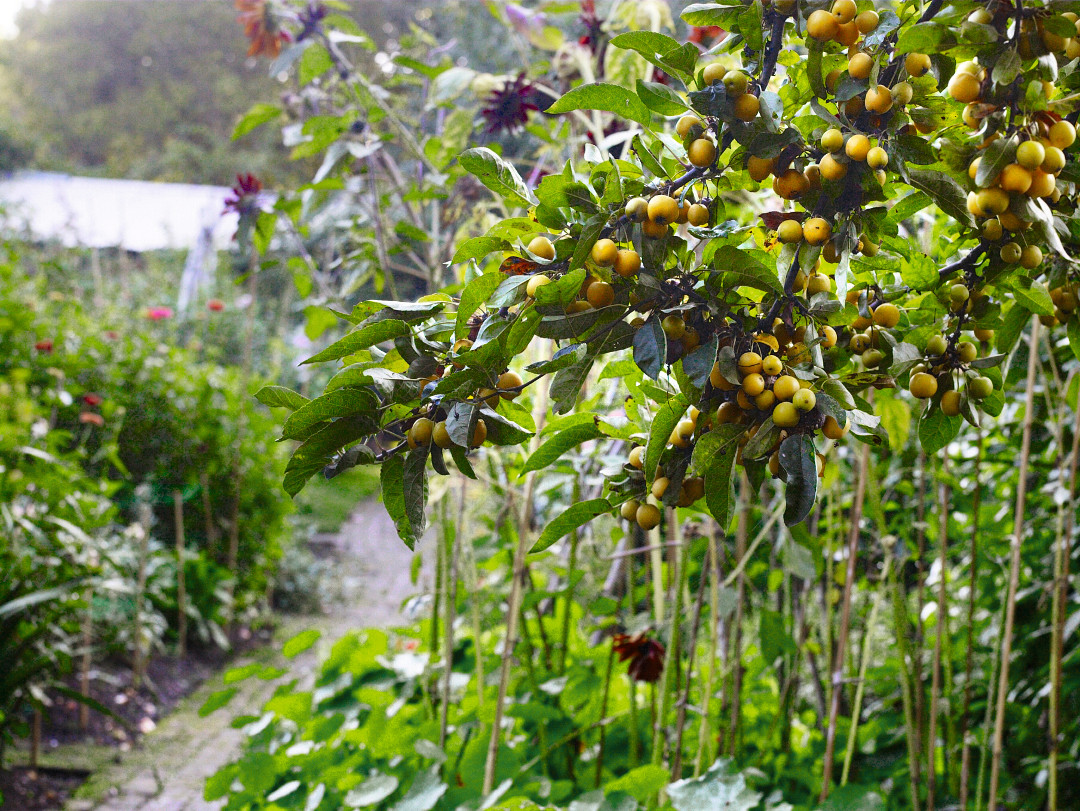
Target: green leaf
x=280, y=397
x=640, y=783
x=663, y=424
x=775, y=640
x=553, y=449
x=567, y=356
x=590, y=232
x=660, y=98
x=650, y=347
x=607, y=97
x=660, y=50
x=570, y=519
x=1035, y=299
x=254, y=118
x=798, y=460
x=320, y=448
x=719, y=789
x=497, y=175
x=479, y=247
x=332, y=405
x=999, y=154
x=854, y=798
x=424, y=792
x=944, y=191
x=217, y=700
x=814, y=51
x=404, y=493
x=372, y=791
x=300, y=643
x=927, y=38
x=717, y=460
x=566, y=385
x=748, y=271
x=476, y=292
x=1074, y=336
x=363, y=338
x=936, y=430
x=698, y=365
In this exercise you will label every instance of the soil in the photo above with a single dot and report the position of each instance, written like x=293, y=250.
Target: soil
x=38, y=789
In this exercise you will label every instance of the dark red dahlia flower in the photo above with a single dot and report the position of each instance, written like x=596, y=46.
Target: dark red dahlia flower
x=508, y=107
x=646, y=656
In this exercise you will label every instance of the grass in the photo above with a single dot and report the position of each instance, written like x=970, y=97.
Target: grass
x=328, y=503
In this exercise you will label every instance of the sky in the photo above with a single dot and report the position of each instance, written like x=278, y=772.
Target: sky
x=8, y=10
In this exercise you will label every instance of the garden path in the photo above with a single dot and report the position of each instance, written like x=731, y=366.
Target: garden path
x=167, y=770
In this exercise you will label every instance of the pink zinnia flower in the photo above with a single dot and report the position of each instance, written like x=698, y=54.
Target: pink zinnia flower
x=159, y=313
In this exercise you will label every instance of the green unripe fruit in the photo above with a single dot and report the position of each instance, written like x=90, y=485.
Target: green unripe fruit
x=980, y=388
x=1030, y=154
x=959, y=293
x=804, y=400
x=967, y=351
x=936, y=346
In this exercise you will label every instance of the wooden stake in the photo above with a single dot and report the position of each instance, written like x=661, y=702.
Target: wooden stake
x=942, y=626
x=1014, y=567
x=139, y=660
x=181, y=586
x=742, y=531
x=969, y=665
x=1062, y=553
x=845, y=624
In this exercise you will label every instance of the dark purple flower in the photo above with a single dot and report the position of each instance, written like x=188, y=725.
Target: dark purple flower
x=508, y=107
x=245, y=195
x=310, y=18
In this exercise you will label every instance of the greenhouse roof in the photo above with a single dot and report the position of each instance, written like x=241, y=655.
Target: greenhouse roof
x=136, y=215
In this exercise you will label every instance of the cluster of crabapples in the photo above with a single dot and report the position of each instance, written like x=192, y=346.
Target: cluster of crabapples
x=429, y=427
x=945, y=377
x=762, y=388
x=1065, y=297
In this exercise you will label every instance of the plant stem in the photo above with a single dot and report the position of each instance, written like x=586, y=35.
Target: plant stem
x=969, y=665
x=864, y=661
x=674, y=648
x=1062, y=553
x=181, y=590
x=920, y=604
x=680, y=722
x=603, y=714
x=714, y=639
x=568, y=599
x=742, y=529
x=942, y=614
x=452, y=534
x=845, y=623
x=1014, y=566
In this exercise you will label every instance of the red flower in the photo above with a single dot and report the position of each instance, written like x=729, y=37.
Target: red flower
x=92, y=418
x=92, y=399
x=646, y=656
x=215, y=305
x=112, y=335
x=44, y=346
x=706, y=34
x=159, y=313
x=261, y=28
x=508, y=107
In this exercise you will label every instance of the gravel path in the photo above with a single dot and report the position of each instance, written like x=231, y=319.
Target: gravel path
x=167, y=771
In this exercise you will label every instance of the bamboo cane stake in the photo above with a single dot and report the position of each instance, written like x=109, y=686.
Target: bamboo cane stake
x=1014, y=567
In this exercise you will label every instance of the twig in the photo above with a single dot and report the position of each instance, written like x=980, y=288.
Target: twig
x=969, y=667
x=942, y=621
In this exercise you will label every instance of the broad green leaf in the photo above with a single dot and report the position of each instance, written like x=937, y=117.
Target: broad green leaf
x=640, y=783
x=775, y=640
x=404, y=493
x=476, y=292
x=570, y=519
x=363, y=338
x=660, y=98
x=479, y=247
x=607, y=97
x=944, y=191
x=748, y=271
x=721, y=788
x=281, y=397
x=1035, y=299
x=497, y=175
x=663, y=424
x=999, y=154
x=329, y=406
x=798, y=461
x=650, y=347
x=567, y=356
x=566, y=385
x=217, y=700
x=936, y=430
x=320, y=448
x=258, y=115
x=300, y=643
x=553, y=449
x=372, y=791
